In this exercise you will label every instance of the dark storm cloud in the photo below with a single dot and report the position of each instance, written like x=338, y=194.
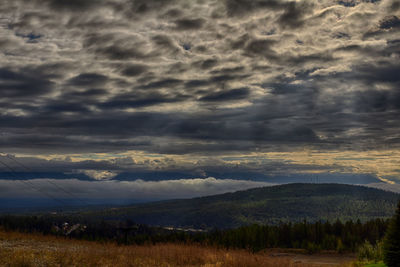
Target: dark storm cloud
x=20, y=84
x=116, y=46
x=260, y=48
x=110, y=129
x=88, y=79
x=293, y=15
x=220, y=76
x=234, y=94
x=140, y=100
x=285, y=88
x=91, y=93
x=206, y=64
x=236, y=70
x=164, y=83
x=55, y=70
x=353, y=3
x=165, y=42
x=242, y=7
x=74, y=143
x=181, y=77
x=74, y=5
x=317, y=57
x=172, y=13
x=120, y=52
x=372, y=101
x=145, y=6
x=227, y=77
x=386, y=72
x=390, y=22
x=197, y=83
x=239, y=42
x=341, y=35
x=65, y=106
x=189, y=24
x=134, y=69
x=395, y=6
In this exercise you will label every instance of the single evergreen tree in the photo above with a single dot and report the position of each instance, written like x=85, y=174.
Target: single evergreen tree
x=391, y=246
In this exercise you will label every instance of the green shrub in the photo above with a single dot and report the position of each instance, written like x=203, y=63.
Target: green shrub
x=340, y=248
x=369, y=253
x=312, y=248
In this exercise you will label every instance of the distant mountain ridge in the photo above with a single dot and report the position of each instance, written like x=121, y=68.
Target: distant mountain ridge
x=267, y=205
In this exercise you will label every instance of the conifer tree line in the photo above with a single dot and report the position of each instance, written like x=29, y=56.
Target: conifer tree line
x=313, y=237
x=391, y=245
x=310, y=236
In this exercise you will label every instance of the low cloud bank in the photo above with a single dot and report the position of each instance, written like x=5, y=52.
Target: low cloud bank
x=386, y=186
x=139, y=190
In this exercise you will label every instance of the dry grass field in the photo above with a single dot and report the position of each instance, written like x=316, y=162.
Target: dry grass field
x=17, y=249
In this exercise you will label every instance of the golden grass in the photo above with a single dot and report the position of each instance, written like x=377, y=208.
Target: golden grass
x=17, y=249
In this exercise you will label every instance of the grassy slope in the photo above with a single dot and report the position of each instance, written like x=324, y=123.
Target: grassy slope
x=381, y=264
x=292, y=202
x=18, y=249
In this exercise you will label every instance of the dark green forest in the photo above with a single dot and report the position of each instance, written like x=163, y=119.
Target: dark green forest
x=264, y=206
x=312, y=237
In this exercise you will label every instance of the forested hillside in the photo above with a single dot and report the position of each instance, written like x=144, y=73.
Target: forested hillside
x=268, y=205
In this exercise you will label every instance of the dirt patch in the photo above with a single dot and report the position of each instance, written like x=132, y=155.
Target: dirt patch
x=320, y=259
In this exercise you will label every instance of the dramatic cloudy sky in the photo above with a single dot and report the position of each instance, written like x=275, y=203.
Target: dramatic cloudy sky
x=181, y=89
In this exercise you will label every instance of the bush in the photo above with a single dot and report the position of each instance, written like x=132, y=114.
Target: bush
x=340, y=248
x=312, y=248
x=369, y=253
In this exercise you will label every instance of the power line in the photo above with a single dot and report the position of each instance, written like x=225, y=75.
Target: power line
x=31, y=185
x=50, y=182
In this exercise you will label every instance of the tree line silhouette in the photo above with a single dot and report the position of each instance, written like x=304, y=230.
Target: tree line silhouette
x=339, y=236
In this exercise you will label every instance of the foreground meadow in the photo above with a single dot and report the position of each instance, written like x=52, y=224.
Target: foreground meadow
x=18, y=249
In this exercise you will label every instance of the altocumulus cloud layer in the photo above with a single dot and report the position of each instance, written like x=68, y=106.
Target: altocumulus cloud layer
x=102, y=87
